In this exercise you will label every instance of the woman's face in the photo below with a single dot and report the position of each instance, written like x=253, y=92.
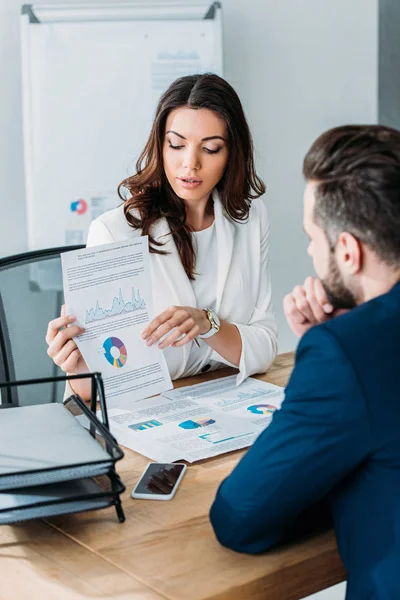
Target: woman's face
x=195, y=152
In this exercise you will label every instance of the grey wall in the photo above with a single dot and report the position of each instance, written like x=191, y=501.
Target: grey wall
x=389, y=63
x=300, y=66
x=12, y=192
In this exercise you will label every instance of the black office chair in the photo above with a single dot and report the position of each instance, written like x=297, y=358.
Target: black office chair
x=31, y=294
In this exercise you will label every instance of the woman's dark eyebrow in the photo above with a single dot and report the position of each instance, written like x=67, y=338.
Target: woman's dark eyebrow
x=178, y=134
x=211, y=137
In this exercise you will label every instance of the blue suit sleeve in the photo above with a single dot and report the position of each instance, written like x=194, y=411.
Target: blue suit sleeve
x=320, y=434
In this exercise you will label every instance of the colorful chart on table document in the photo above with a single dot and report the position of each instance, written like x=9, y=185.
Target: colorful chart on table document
x=145, y=425
x=115, y=352
x=191, y=424
x=262, y=409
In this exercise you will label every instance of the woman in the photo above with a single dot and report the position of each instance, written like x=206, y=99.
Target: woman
x=194, y=194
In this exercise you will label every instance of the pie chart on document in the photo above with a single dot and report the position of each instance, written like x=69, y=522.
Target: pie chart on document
x=115, y=352
x=262, y=409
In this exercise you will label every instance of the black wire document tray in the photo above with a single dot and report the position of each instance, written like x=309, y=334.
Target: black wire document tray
x=57, y=458
x=58, y=499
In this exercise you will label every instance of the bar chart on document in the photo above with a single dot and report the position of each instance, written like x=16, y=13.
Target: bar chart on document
x=92, y=75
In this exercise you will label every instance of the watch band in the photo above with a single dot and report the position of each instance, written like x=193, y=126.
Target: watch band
x=214, y=322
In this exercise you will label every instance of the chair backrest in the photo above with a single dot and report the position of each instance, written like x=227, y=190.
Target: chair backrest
x=31, y=294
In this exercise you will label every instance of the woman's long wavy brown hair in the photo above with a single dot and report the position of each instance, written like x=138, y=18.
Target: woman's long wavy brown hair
x=149, y=191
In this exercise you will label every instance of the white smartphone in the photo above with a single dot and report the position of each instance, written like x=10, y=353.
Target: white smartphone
x=159, y=481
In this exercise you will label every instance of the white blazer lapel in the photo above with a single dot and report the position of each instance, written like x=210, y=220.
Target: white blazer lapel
x=225, y=238
x=172, y=280
x=171, y=285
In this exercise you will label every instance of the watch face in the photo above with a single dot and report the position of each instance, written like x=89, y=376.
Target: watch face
x=214, y=320
x=214, y=323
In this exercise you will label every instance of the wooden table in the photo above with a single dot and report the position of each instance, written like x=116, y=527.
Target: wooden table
x=164, y=550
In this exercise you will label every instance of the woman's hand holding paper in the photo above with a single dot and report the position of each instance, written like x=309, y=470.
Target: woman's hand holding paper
x=182, y=323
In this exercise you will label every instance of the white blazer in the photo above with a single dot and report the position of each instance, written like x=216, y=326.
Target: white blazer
x=242, y=283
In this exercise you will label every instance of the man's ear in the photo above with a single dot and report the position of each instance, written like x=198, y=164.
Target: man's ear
x=349, y=253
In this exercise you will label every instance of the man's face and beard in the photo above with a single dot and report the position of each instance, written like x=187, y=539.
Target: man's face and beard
x=341, y=294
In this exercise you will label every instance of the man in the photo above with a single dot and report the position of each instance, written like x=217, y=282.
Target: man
x=337, y=437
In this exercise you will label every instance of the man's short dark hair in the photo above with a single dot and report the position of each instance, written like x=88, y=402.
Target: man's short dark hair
x=357, y=172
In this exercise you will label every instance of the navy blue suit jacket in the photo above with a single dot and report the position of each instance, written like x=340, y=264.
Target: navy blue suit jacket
x=336, y=437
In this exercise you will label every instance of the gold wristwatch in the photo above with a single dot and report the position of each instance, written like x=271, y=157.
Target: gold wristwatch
x=214, y=322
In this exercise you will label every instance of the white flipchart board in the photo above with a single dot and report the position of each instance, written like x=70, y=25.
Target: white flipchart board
x=92, y=76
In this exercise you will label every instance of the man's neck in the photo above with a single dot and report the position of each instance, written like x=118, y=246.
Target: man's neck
x=379, y=281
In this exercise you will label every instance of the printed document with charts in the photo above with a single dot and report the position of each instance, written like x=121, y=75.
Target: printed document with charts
x=199, y=421
x=108, y=288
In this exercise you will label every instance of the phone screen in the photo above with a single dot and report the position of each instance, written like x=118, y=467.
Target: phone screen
x=159, y=478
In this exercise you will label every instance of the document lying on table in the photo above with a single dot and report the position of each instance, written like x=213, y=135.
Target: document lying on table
x=108, y=288
x=198, y=421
